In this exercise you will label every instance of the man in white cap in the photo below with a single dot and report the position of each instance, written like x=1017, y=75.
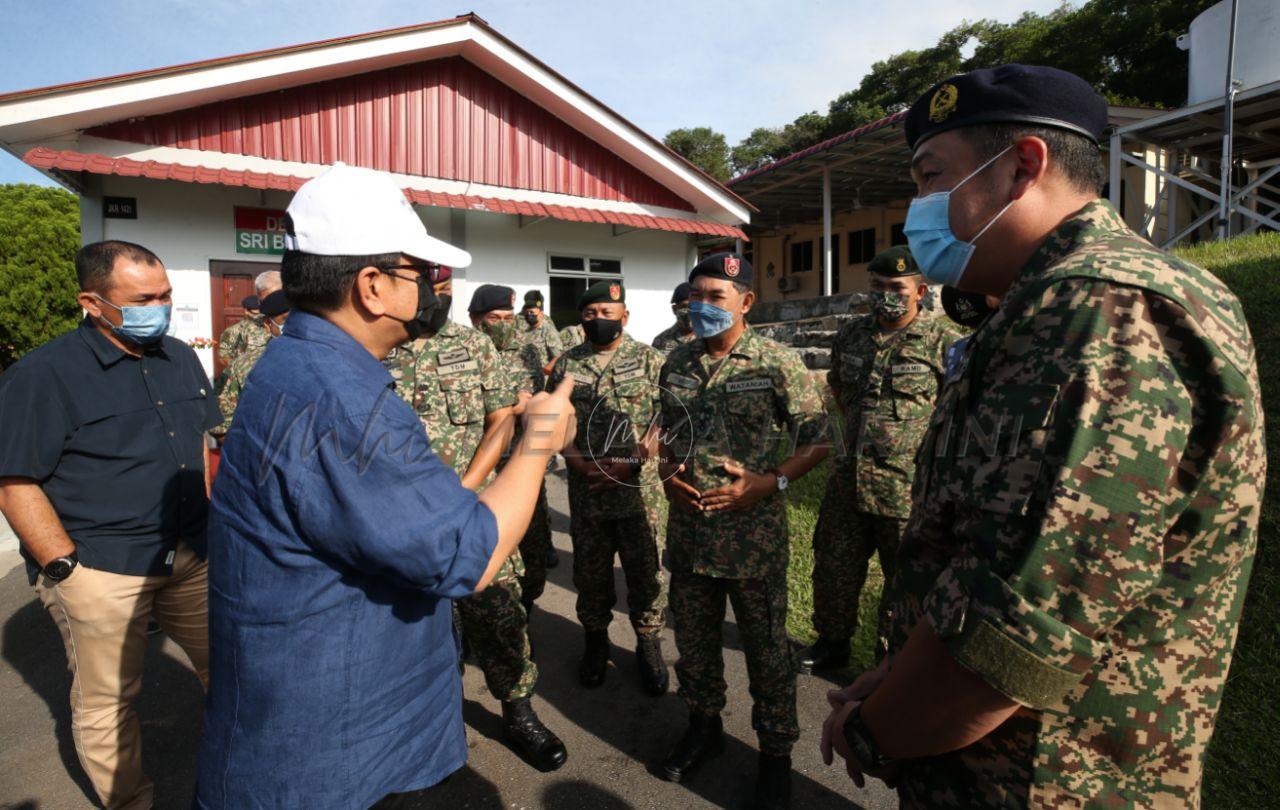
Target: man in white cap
x=338, y=538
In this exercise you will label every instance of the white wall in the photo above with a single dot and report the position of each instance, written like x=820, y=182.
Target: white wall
x=188, y=225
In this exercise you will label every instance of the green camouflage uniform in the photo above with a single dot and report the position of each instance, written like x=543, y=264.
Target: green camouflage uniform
x=571, y=336
x=454, y=381
x=887, y=384
x=712, y=414
x=522, y=366
x=250, y=332
x=1084, y=525
x=670, y=338
x=615, y=405
x=234, y=377
x=544, y=337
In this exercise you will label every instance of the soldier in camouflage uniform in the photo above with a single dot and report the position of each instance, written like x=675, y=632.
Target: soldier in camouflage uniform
x=680, y=331
x=492, y=311
x=616, y=507
x=274, y=310
x=248, y=332
x=536, y=328
x=454, y=381
x=571, y=336
x=1086, y=507
x=724, y=397
x=886, y=370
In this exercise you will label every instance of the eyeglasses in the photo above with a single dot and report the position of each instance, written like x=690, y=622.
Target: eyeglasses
x=430, y=272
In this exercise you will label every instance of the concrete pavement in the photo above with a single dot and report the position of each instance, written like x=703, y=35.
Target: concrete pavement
x=614, y=734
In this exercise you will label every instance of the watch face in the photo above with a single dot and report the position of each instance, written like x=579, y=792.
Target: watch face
x=58, y=570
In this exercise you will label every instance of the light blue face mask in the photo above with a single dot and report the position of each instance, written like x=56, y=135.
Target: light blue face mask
x=708, y=320
x=140, y=325
x=941, y=256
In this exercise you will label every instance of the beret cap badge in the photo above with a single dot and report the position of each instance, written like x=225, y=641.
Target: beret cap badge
x=615, y=292
x=731, y=266
x=943, y=103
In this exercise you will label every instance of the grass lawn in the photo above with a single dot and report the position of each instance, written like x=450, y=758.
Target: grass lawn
x=1243, y=769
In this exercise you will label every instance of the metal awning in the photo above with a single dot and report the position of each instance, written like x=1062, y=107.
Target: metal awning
x=868, y=166
x=1238, y=194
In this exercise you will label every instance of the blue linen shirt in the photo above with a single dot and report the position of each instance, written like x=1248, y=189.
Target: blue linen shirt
x=336, y=540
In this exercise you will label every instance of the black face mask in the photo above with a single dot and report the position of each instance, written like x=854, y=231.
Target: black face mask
x=601, y=331
x=428, y=307
x=440, y=315
x=531, y=318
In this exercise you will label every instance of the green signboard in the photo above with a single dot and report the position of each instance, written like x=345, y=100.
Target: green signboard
x=259, y=230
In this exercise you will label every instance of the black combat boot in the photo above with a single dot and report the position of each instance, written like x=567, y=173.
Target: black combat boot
x=826, y=654
x=595, y=659
x=653, y=670
x=773, y=783
x=532, y=740
x=703, y=740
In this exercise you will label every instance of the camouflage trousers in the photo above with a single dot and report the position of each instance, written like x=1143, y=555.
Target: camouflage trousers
x=534, y=547
x=496, y=627
x=843, y=542
x=760, y=609
x=637, y=540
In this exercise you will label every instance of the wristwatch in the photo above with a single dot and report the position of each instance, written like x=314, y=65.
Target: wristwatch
x=61, y=568
x=861, y=744
x=782, y=480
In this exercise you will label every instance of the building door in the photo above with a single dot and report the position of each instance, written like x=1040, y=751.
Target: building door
x=230, y=283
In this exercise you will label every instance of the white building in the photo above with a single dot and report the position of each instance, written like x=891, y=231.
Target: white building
x=544, y=185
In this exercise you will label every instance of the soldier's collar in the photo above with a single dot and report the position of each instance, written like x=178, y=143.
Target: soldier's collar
x=1096, y=221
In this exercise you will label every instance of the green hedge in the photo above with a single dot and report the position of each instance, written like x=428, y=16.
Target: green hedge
x=1243, y=768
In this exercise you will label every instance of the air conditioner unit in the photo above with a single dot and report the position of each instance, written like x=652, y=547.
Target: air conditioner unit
x=788, y=284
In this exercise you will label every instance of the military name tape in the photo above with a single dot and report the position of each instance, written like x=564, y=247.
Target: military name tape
x=683, y=381
x=761, y=384
x=458, y=368
x=909, y=368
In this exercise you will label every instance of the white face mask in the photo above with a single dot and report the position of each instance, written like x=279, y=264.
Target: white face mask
x=941, y=256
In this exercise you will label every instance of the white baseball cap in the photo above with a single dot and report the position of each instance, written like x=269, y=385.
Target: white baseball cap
x=350, y=211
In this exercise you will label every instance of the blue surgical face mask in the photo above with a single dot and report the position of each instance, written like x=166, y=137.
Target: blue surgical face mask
x=941, y=256
x=140, y=325
x=709, y=320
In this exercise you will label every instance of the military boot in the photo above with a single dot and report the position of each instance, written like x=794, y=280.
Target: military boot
x=703, y=740
x=532, y=740
x=825, y=654
x=595, y=659
x=773, y=783
x=653, y=670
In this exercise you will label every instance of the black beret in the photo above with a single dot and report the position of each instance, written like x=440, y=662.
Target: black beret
x=603, y=292
x=489, y=297
x=1009, y=94
x=250, y=302
x=894, y=263
x=533, y=298
x=965, y=308
x=681, y=293
x=275, y=304
x=729, y=266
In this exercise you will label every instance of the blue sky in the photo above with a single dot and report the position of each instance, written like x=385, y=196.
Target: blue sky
x=729, y=65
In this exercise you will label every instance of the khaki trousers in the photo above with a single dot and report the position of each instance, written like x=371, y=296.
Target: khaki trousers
x=103, y=621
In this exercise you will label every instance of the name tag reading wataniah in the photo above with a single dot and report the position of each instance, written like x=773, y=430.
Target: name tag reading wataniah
x=457, y=368
x=909, y=368
x=683, y=381
x=760, y=384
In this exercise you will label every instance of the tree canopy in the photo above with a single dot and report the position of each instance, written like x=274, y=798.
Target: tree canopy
x=703, y=147
x=1125, y=49
x=39, y=236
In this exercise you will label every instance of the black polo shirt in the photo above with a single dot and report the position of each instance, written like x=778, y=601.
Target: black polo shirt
x=116, y=443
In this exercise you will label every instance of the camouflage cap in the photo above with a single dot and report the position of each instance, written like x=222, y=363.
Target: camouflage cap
x=895, y=262
x=603, y=292
x=489, y=297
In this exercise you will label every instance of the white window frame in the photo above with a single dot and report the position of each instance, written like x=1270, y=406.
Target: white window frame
x=585, y=272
